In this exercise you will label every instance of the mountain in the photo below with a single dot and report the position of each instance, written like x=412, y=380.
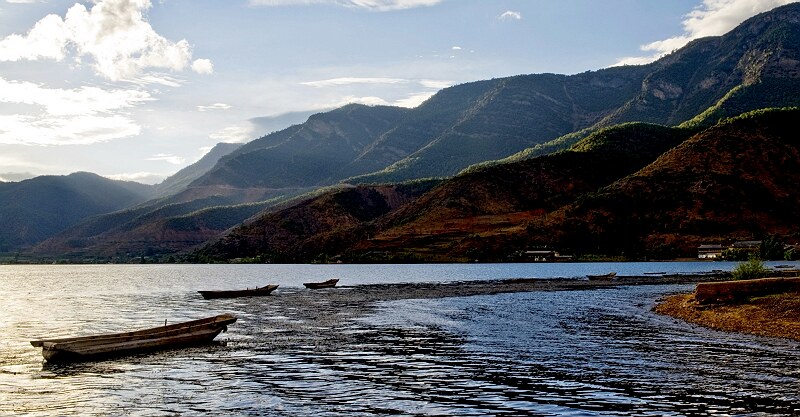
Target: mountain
x=333, y=219
x=34, y=209
x=309, y=154
x=181, y=179
x=756, y=65
x=751, y=67
x=487, y=123
x=739, y=180
x=433, y=225
x=636, y=190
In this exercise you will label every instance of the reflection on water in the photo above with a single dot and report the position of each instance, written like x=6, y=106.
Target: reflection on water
x=367, y=351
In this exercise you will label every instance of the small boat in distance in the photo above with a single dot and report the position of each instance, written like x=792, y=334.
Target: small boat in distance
x=324, y=284
x=250, y=292
x=605, y=277
x=73, y=349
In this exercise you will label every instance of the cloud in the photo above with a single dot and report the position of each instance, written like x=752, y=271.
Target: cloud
x=113, y=33
x=203, y=66
x=372, y=5
x=64, y=102
x=414, y=100
x=66, y=116
x=435, y=84
x=711, y=18
x=142, y=177
x=215, y=106
x=74, y=130
x=353, y=80
x=510, y=15
x=172, y=159
x=233, y=134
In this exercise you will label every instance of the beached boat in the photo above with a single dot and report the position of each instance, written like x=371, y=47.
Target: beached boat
x=116, y=344
x=324, y=284
x=265, y=290
x=605, y=277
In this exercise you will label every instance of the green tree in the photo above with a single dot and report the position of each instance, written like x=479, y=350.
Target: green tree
x=752, y=269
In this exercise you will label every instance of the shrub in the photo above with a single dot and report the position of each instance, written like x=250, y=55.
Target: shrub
x=752, y=269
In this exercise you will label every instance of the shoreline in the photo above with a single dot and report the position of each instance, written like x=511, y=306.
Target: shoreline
x=775, y=315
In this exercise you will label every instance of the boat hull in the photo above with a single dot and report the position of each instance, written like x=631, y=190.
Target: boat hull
x=325, y=284
x=255, y=292
x=119, y=344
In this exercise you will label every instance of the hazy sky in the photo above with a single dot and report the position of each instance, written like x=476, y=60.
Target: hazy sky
x=137, y=89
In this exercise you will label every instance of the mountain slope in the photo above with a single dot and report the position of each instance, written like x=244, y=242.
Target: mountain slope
x=515, y=114
x=434, y=225
x=737, y=180
x=309, y=154
x=610, y=194
x=181, y=179
x=757, y=65
x=334, y=219
x=35, y=209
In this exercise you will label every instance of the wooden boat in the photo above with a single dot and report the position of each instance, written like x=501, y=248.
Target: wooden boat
x=324, y=284
x=605, y=277
x=265, y=290
x=116, y=344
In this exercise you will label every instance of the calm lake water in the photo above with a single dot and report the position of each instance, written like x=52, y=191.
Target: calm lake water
x=302, y=352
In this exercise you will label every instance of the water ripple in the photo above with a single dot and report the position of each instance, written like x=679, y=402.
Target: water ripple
x=365, y=351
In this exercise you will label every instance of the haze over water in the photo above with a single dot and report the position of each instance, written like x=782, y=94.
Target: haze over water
x=341, y=352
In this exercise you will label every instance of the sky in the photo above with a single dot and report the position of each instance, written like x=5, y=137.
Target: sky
x=138, y=89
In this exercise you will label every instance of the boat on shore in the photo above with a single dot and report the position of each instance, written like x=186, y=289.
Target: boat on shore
x=324, y=284
x=250, y=292
x=605, y=277
x=75, y=349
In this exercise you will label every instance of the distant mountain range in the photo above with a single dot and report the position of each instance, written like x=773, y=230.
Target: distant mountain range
x=507, y=137
x=34, y=209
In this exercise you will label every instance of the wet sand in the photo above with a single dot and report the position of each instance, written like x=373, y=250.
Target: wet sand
x=387, y=292
x=322, y=319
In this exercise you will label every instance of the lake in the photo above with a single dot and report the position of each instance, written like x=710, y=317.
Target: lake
x=340, y=352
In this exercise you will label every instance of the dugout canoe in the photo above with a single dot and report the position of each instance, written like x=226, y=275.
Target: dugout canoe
x=171, y=336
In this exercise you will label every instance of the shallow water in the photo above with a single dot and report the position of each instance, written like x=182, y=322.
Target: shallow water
x=367, y=351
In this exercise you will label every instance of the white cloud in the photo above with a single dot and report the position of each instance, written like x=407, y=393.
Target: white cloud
x=510, y=15
x=215, y=106
x=74, y=130
x=414, y=100
x=233, y=134
x=435, y=84
x=456, y=48
x=114, y=33
x=203, y=66
x=353, y=80
x=62, y=102
x=21, y=1
x=142, y=177
x=66, y=116
x=711, y=18
x=172, y=159
x=373, y=5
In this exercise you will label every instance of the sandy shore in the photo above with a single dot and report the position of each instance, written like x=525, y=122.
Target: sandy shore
x=772, y=315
